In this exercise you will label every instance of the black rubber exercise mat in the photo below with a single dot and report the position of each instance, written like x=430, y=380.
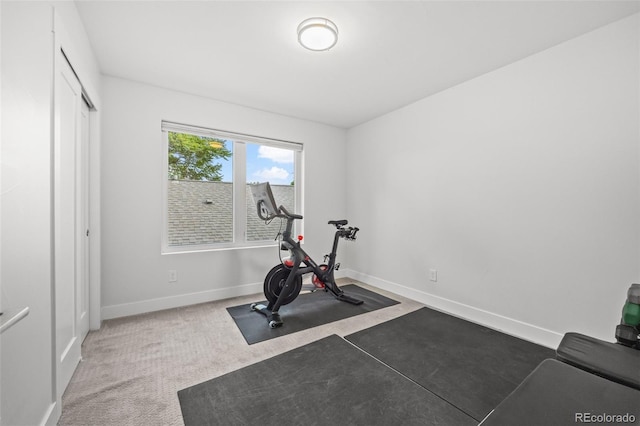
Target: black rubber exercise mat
x=327, y=382
x=306, y=311
x=470, y=366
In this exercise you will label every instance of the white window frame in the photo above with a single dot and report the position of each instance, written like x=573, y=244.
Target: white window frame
x=239, y=185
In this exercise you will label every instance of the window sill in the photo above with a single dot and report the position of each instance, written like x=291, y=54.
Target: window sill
x=217, y=247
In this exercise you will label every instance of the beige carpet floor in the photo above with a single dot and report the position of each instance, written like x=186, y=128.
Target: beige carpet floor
x=133, y=367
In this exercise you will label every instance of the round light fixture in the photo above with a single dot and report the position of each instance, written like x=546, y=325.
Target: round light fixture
x=317, y=34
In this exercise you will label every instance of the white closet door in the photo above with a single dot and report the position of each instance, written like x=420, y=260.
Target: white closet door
x=82, y=231
x=67, y=194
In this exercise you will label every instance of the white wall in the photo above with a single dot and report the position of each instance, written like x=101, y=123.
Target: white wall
x=27, y=377
x=26, y=274
x=521, y=187
x=135, y=274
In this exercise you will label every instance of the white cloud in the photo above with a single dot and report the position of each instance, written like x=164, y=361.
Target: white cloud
x=277, y=155
x=274, y=175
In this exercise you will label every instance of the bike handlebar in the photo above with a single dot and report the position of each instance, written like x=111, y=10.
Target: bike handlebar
x=348, y=233
x=289, y=215
x=264, y=214
x=353, y=234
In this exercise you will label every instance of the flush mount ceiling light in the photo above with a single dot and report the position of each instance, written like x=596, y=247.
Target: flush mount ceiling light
x=317, y=34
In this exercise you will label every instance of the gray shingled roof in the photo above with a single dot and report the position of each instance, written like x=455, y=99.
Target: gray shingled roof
x=201, y=212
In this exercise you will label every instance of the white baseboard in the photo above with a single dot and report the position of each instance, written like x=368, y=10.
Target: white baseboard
x=494, y=321
x=151, y=305
x=530, y=332
x=52, y=415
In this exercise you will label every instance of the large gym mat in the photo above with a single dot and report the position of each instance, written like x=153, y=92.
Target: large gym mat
x=560, y=394
x=470, y=366
x=307, y=311
x=327, y=382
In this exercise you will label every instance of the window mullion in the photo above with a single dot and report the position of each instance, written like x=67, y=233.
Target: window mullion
x=165, y=189
x=299, y=201
x=240, y=192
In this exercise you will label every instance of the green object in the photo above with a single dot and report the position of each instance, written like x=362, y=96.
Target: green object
x=631, y=314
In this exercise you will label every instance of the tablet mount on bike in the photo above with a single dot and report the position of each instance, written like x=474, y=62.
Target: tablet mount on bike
x=284, y=281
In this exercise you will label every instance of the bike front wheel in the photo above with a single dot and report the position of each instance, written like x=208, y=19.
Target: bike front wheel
x=274, y=284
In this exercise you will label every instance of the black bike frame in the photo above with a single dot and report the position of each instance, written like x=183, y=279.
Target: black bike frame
x=300, y=257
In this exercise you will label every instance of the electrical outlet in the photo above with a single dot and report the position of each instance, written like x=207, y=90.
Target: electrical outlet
x=433, y=275
x=173, y=275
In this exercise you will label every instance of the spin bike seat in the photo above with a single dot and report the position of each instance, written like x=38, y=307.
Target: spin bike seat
x=342, y=222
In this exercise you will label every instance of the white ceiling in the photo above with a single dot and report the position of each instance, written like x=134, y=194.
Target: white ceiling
x=389, y=53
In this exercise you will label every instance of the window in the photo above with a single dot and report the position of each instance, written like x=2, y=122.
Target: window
x=208, y=202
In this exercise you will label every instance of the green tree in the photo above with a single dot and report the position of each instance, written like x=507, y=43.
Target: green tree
x=192, y=157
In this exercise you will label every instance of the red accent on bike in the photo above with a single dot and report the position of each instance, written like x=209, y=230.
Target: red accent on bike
x=300, y=237
x=288, y=263
x=316, y=281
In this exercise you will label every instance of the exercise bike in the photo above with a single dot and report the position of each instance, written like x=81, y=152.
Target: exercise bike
x=284, y=281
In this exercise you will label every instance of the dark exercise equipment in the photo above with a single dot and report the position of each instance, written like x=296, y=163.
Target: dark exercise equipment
x=592, y=381
x=284, y=281
x=628, y=332
x=612, y=361
x=620, y=361
x=559, y=394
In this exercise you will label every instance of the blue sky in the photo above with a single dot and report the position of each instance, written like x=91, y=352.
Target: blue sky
x=264, y=164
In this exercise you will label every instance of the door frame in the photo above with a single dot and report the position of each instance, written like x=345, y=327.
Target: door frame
x=88, y=75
